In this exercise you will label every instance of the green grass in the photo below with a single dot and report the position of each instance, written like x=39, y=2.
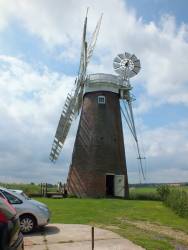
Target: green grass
x=143, y=190
x=35, y=188
x=148, y=240
x=144, y=193
x=106, y=212
x=114, y=212
x=149, y=193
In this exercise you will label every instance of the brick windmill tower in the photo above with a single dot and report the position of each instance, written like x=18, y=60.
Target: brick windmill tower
x=98, y=166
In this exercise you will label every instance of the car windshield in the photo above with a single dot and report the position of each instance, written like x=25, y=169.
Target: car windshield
x=25, y=196
x=20, y=193
x=11, y=198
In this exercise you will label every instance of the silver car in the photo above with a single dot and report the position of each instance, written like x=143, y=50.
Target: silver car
x=32, y=213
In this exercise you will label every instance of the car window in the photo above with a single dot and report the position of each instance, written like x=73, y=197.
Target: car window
x=11, y=198
x=25, y=196
x=1, y=195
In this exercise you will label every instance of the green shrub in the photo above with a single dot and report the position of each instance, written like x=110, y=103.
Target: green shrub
x=177, y=199
x=144, y=196
x=163, y=191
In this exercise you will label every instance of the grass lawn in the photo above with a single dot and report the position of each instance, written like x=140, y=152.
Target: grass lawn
x=120, y=215
x=143, y=189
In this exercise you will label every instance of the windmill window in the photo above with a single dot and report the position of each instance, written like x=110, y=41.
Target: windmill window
x=101, y=99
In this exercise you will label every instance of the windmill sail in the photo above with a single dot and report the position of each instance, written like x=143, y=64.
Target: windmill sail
x=73, y=101
x=87, y=52
x=63, y=127
x=82, y=67
x=93, y=41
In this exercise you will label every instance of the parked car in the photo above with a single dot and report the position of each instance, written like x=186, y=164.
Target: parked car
x=32, y=213
x=10, y=235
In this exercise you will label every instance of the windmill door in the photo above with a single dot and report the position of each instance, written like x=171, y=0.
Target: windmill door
x=119, y=184
x=110, y=184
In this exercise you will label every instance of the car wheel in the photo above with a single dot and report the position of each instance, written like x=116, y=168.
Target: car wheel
x=27, y=223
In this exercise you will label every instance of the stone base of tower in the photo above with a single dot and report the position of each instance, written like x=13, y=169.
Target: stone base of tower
x=98, y=166
x=90, y=184
x=96, y=185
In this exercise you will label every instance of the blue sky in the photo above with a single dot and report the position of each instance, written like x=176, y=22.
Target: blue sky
x=152, y=10
x=39, y=58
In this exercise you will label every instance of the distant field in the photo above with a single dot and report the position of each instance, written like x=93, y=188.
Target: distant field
x=27, y=188
x=185, y=188
x=35, y=188
x=150, y=191
x=147, y=223
x=143, y=189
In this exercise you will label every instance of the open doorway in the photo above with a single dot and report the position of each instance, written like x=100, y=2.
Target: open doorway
x=109, y=185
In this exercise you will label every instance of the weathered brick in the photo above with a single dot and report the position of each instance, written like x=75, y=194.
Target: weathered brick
x=98, y=148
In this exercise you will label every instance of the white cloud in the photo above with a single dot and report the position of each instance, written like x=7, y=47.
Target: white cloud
x=165, y=149
x=162, y=47
x=167, y=141
x=31, y=98
x=30, y=105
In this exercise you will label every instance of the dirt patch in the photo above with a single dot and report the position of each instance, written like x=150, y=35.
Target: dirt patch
x=163, y=230
x=110, y=227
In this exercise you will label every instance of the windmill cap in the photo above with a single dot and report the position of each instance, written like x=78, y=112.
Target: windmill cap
x=104, y=82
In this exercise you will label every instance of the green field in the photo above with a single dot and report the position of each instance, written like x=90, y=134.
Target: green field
x=147, y=223
x=35, y=188
x=150, y=193
x=143, y=190
x=29, y=189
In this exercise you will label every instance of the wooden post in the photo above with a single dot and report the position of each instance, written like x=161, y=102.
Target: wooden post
x=41, y=190
x=46, y=189
x=92, y=238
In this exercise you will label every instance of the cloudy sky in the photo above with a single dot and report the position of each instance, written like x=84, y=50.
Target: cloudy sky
x=39, y=58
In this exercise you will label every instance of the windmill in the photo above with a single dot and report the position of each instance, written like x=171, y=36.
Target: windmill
x=98, y=166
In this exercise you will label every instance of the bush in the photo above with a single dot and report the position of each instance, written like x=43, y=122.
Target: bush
x=175, y=198
x=163, y=191
x=145, y=196
x=178, y=201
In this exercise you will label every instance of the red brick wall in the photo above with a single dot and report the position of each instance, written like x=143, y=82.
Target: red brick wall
x=99, y=146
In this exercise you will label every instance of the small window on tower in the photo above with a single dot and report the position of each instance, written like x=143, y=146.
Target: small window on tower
x=101, y=99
